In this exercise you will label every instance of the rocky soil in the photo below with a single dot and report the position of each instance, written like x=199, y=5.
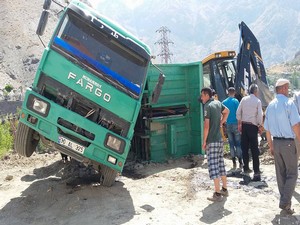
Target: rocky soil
x=20, y=47
x=43, y=190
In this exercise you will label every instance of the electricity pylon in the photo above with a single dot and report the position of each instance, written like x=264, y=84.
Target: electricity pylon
x=164, y=42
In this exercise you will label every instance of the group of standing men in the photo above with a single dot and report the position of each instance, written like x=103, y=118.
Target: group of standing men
x=244, y=120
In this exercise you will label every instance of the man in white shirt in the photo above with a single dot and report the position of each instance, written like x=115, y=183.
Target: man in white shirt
x=250, y=118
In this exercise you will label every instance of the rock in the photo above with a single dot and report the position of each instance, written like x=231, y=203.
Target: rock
x=138, y=166
x=26, y=61
x=11, y=75
x=9, y=177
x=34, y=61
x=1, y=57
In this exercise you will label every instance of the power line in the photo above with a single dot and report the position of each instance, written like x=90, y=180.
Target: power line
x=164, y=42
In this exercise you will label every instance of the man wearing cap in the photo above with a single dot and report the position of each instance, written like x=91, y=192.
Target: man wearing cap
x=250, y=119
x=282, y=122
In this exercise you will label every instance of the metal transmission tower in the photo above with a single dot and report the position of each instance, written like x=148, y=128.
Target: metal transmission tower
x=164, y=41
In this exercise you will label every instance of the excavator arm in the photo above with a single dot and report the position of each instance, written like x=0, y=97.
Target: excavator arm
x=250, y=66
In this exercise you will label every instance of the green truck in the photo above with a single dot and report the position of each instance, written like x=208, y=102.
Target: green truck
x=95, y=97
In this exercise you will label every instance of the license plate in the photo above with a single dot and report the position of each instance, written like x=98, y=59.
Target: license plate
x=70, y=144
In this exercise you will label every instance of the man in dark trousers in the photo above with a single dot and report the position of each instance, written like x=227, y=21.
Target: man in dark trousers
x=282, y=122
x=215, y=115
x=234, y=136
x=250, y=119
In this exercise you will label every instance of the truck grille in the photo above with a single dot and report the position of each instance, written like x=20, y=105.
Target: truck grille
x=68, y=98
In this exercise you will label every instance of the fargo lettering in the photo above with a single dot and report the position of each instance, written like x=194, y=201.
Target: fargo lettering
x=90, y=85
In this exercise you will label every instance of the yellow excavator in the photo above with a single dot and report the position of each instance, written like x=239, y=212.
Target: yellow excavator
x=224, y=69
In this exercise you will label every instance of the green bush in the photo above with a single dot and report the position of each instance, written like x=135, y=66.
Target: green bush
x=6, y=138
x=9, y=88
x=226, y=148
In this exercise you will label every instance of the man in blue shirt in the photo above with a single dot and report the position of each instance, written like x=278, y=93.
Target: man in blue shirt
x=234, y=136
x=282, y=123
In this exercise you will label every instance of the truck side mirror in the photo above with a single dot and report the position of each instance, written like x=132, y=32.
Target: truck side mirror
x=42, y=23
x=157, y=89
x=47, y=4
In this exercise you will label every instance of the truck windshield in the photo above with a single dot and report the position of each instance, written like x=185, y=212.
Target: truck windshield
x=101, y=53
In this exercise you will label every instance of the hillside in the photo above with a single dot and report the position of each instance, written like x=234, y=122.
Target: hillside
x=201, y=27
x=289, y=67
x=196, y=31
x=20, y=48
x=289, y=70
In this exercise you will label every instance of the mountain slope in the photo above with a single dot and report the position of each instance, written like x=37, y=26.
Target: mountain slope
x=20, y=48
x=198, y=27
x=201, y=27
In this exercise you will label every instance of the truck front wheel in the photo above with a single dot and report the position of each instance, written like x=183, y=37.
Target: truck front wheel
x=108, y=176
x=26, y=140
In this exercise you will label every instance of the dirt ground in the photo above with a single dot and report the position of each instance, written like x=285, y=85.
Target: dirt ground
x=43, y=190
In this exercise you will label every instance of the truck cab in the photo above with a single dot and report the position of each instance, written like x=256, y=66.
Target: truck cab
x=87, y=91
x=219, y=71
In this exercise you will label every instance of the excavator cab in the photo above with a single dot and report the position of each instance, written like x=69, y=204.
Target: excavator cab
x=219, y=71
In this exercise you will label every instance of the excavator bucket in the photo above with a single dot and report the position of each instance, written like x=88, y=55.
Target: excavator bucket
x=264, y=94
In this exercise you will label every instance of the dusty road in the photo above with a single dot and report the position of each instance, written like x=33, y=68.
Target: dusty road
x=42, y=190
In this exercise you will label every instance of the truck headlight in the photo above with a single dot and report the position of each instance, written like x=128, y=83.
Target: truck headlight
x=39, y=106
x=112, y=160
x=114, y=143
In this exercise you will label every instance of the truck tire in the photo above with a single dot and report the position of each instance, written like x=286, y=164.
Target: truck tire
x=108, y=176
x=25, y=142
